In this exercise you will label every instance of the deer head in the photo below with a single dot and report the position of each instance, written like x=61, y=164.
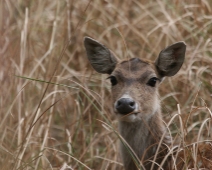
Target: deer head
x=135, y=81
x=135, y=98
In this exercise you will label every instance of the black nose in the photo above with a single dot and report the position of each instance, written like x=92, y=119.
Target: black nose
x=125, y=105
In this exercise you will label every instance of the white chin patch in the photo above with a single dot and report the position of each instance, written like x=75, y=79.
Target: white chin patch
x=128, y=118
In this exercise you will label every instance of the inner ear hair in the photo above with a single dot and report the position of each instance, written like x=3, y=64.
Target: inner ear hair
x=99, y=56
x=171, y=59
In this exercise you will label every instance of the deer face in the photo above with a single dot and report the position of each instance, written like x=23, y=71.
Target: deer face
x=134, y=90
x=135, y=81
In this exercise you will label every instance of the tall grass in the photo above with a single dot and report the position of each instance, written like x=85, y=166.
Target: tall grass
x=55, y=109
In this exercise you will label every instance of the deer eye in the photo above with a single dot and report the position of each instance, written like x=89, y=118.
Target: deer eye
x=152, y=81
x=113, y=80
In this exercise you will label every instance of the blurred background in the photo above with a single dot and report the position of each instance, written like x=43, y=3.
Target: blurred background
x=56, y=111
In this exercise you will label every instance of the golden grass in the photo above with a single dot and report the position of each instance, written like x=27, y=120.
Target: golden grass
x=61, y=118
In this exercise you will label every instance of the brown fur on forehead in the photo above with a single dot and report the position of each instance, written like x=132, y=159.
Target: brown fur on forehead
x=134, y=67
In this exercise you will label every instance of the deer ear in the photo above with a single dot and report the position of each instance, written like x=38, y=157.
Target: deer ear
x=171, y=59
x=100, y=57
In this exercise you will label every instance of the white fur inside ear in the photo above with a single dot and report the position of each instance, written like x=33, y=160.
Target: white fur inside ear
x=100, y=57
x=171, y=59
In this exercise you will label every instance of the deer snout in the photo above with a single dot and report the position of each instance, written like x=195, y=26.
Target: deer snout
x=125, y=105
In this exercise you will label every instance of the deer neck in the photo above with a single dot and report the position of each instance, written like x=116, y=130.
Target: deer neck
x=143, y=137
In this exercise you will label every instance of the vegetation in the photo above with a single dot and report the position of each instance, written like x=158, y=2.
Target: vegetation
x=55, y=109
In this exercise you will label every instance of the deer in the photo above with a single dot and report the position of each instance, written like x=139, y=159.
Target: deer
x=136, y=104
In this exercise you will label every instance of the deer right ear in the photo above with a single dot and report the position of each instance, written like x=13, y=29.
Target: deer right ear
x=100, y=57
x=171, y=59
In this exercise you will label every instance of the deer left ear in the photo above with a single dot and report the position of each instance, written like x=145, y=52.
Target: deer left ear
x=101, y=58
x=171, y=59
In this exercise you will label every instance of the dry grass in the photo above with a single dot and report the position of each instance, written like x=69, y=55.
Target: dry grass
x=68, y=123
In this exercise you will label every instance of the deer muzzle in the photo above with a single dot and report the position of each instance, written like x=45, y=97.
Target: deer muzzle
x=125, y=106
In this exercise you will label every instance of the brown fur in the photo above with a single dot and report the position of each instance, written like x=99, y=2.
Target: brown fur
x=140, y=120
x=132, y=76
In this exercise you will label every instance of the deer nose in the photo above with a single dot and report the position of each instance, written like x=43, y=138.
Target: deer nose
x=125, y=105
